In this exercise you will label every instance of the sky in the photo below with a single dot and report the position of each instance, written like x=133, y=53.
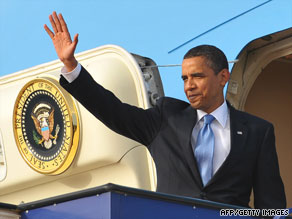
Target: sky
x=149, y=28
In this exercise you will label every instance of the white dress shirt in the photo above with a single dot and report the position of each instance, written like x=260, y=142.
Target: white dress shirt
x=221, y=129
x=71, y=76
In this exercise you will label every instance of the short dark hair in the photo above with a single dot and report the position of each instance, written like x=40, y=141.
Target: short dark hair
x=215, y=58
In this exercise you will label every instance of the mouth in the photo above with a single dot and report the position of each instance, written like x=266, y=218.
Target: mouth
x=192, y=97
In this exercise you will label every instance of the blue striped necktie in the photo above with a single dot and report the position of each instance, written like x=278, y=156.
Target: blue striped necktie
x=205, y=149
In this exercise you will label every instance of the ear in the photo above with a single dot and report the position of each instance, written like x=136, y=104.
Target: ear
x=224, y=76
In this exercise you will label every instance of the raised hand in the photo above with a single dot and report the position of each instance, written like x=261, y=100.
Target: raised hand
x=61, y=38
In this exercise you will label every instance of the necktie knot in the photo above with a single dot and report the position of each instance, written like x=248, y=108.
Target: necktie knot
x=208, y=119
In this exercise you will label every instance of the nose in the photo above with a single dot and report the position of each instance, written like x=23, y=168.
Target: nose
x=189, y=85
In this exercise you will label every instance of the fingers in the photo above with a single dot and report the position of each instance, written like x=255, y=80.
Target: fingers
x=57, y=22
x=59, y=26
x=53, y=24
x=51, y=34
x=63, y=23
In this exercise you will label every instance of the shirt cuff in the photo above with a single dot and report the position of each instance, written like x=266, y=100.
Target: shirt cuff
x=71, y=76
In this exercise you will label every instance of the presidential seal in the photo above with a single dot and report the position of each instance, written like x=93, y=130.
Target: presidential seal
x=46, y=126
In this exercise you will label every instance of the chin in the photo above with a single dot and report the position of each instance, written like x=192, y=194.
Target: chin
x=195, y=106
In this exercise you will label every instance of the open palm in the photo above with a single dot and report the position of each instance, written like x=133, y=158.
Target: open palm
x=61, y=38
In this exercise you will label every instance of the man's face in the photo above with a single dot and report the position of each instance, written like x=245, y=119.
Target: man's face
x=202, y=87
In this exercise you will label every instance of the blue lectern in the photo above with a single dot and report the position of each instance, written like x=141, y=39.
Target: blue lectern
x=118, y=202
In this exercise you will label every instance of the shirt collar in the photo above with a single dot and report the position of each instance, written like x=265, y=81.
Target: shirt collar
x=221, y=114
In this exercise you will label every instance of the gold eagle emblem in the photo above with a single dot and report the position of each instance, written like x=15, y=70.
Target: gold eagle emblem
x=43, y=119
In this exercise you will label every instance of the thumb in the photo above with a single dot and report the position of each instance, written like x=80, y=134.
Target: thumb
x=75, y=41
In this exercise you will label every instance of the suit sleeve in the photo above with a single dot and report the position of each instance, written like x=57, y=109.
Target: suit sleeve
x=133, y=122
x=268, y=186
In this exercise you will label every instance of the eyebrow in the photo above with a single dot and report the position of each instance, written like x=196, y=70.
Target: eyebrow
x=198, y=74
x=195, y=74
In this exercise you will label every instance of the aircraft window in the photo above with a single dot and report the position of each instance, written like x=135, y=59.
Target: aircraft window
x=2, y=159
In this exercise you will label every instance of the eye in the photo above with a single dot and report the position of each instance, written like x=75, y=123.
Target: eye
x=184, y=78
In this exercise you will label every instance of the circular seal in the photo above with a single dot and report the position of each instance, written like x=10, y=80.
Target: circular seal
x=46, y=126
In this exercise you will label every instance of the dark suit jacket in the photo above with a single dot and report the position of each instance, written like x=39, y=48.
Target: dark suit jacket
x=166, y=130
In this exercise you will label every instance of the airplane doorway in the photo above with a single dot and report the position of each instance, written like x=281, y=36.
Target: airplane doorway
x=270, y=97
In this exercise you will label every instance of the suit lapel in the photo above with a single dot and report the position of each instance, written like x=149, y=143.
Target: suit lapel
x=238, y=136
x=187, y=122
